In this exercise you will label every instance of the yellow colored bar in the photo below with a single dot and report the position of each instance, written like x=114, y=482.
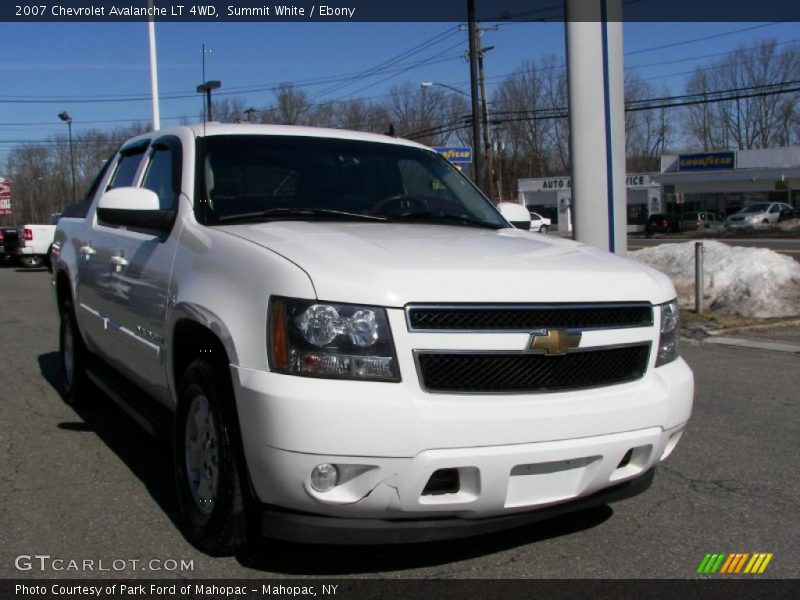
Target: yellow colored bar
x=765, y=563
x=752, y=566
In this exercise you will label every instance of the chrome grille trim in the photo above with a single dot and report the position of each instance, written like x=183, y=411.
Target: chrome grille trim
x=548, y=312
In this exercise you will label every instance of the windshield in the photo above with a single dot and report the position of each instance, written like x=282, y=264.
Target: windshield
x=756, y=208
x=259, y=178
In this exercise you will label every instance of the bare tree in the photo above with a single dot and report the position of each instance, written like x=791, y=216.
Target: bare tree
x=228, y=109
x=530, y=107
x=758, y=115
x=423, y=113
x=41, y=173
x=291, y=108
x=646, y=131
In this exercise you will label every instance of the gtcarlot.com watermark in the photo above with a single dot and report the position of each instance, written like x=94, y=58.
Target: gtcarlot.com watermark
x=45, y=562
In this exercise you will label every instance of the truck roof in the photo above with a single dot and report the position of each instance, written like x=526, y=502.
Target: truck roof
x=213, y=129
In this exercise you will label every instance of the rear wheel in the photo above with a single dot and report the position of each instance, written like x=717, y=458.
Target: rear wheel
x=212, y=486
x=543, y=229
x=72, y=357
x=30, y=261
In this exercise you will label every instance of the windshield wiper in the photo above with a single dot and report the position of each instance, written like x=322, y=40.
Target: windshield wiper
x=297, y=213
x=430, y=217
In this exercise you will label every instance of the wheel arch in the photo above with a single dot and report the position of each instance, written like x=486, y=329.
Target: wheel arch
x=63, y=289
x=192, y=340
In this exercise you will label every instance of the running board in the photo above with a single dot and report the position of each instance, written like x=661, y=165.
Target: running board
x=150, y=414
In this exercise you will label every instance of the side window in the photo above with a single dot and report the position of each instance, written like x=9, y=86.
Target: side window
x=160, y=177
x=775, y=209
x=126, y=168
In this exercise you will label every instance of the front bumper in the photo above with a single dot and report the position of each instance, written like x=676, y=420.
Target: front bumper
x=514, y=454
x=306, y=528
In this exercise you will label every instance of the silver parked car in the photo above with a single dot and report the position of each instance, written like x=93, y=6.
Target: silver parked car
x=759, y=213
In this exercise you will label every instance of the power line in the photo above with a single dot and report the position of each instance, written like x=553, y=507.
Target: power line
x=409, y=68
x=395, y=62
x=633, y=106
x=345, y=79
x=381, y=67
x=702, y=39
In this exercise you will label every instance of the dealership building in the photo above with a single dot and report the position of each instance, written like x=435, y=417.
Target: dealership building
x=722, y=182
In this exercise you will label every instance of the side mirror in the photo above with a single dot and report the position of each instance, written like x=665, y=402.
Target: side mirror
x=134, y=207
x=516, y=214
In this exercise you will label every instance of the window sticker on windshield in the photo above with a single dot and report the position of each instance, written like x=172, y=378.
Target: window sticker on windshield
x=437, y=185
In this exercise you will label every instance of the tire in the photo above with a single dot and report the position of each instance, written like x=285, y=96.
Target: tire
x=30, y=261
x=543, y=229
x=209, y=469
x=72, y=356
x=765, y=222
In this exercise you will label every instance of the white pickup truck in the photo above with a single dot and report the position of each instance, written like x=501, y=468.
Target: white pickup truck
x=347, y=342
x=34, y=242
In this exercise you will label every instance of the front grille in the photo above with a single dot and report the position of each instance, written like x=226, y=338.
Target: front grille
x=529, y=317
x=512, y=372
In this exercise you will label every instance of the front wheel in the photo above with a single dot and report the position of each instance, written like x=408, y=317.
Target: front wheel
x=210, y=490
x=30, y=261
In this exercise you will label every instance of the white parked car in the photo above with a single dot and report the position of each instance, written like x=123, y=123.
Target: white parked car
x=757, y=214
x=540, y=223
x=347, y=342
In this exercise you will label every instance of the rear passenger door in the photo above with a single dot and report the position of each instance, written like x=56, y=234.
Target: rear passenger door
x=96, y=286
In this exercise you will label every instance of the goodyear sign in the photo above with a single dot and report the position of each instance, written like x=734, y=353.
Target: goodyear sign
x=456, y=154
x=707, y=161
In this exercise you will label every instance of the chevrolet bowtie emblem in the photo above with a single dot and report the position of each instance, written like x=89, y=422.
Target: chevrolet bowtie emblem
x=555, y=342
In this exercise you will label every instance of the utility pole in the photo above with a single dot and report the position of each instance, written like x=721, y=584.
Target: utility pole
x=477, y=151
x=487, y=143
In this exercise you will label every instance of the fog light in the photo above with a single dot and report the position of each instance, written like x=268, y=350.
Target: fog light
x=324, y=477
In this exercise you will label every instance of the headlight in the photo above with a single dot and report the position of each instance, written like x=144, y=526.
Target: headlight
x=668, y=349
x=322, y=339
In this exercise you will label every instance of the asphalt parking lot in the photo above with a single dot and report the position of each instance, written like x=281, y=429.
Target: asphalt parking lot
x=90, y=485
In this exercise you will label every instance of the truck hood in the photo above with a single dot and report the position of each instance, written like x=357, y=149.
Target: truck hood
x=395, y=264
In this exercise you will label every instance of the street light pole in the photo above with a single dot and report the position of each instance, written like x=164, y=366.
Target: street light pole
x=427, y=84
x=205, y=88
x=64, y=116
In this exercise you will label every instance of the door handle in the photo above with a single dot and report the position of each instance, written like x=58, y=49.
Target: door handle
x=120, y=261
x=87, y=251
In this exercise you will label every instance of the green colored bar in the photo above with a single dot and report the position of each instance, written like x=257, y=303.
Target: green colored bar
x=711, y=562
x=701, y=568
x=719, y=562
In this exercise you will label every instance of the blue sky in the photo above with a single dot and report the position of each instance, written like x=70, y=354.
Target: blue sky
x=62, y=63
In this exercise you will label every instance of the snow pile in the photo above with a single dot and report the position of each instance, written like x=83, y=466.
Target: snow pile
x=753, y=282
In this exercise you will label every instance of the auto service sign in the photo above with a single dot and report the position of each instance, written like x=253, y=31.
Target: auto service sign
x=5, y=196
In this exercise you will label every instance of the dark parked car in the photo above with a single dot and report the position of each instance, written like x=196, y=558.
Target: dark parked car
x=658, y=223
x=702, y=219
x=786, y=214
x=9, y=241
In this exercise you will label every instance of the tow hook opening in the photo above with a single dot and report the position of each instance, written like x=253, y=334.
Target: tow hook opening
x=443, y=481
